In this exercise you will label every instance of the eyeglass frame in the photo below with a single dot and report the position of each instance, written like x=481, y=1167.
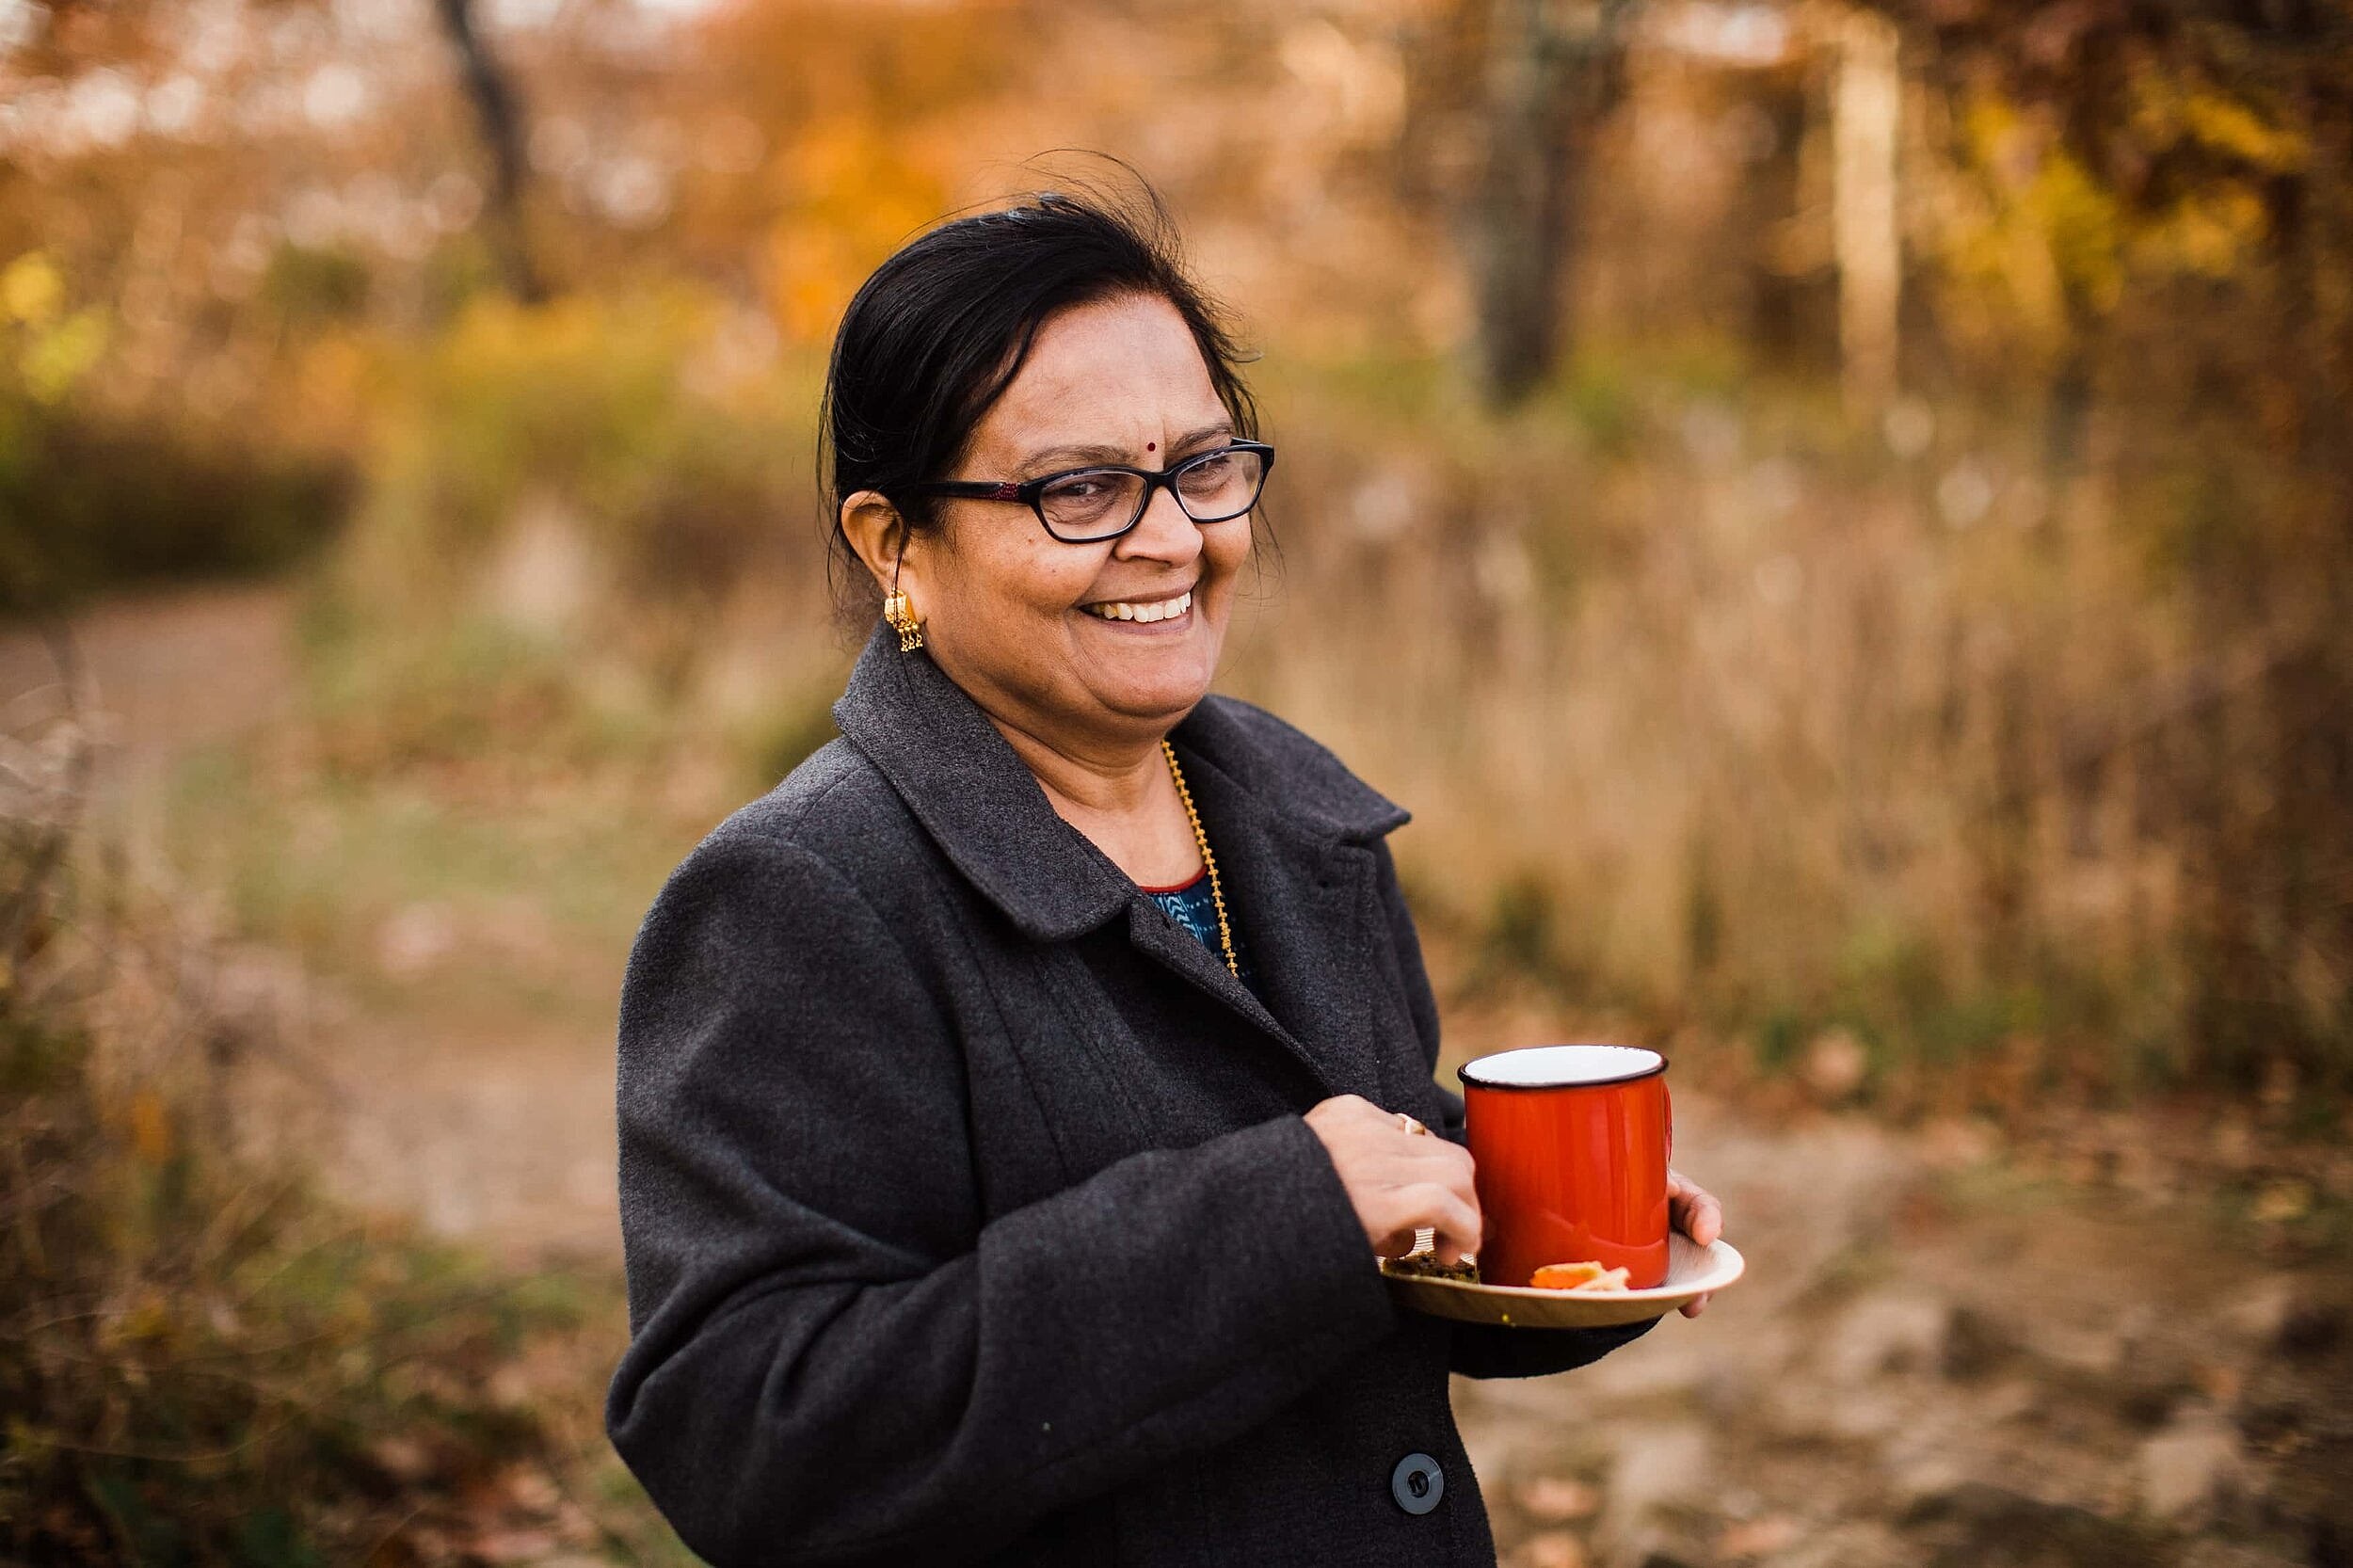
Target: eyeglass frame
x=1031, y=492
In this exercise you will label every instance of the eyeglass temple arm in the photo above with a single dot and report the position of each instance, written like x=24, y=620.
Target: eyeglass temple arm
x=979, y=489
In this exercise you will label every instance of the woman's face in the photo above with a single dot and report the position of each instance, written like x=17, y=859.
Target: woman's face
x=1027, y=623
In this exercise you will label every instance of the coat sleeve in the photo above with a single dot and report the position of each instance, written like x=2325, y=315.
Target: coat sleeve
x=832, y=1361
x=1482, y=1351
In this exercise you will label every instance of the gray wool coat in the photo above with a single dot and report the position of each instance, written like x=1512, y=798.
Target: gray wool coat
x=970, y=1213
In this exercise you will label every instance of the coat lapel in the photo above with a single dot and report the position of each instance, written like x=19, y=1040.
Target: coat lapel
x=1286, y=821
x=1299, y=886
x=974, y=795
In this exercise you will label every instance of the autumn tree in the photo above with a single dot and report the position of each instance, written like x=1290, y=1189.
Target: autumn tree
x=1552, y=74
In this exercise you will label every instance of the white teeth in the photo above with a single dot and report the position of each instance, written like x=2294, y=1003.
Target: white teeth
x=1151, y=610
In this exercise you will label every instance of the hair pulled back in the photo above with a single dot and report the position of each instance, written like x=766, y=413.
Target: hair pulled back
x=936, y=334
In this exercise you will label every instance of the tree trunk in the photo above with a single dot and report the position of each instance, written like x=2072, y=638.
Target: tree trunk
x=1867, y=97
x=1553, y=75
x=499, y=113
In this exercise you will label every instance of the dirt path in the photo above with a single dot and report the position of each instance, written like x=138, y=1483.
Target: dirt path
x=494, y=1127
x=169, y=671
x=1939, y=1359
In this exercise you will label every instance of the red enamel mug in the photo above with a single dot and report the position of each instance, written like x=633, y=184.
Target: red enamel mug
x=1570, y=1144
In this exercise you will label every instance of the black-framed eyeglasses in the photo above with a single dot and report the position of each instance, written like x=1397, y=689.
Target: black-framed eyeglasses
x=1085, y=505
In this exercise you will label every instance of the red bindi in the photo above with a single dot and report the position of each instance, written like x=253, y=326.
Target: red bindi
x=1151, y=446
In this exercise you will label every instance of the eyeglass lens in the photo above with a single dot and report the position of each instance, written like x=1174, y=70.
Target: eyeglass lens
x=1211, y=488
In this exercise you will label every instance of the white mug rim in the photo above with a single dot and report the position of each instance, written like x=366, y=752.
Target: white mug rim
x=1638, y=1061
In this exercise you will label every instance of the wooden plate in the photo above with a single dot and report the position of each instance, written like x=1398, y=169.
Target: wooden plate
x=1691, y=1270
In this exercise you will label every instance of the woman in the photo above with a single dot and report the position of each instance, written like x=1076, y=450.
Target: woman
x=1014, y=1100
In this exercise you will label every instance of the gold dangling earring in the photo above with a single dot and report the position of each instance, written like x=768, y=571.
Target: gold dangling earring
x=900, y=613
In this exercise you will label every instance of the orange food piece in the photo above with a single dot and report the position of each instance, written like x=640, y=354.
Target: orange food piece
x=1579, y=1276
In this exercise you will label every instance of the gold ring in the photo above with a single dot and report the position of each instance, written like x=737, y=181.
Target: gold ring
x=1407, y=1124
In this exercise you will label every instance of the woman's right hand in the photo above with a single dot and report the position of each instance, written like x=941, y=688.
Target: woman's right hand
x=1398, y=1181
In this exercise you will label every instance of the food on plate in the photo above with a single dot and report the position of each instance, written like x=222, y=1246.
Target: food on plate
x=1579, y=1276
x=1425, y=1265
x=1586, y=1278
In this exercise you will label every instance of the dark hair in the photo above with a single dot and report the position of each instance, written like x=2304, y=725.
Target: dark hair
x=934, y=337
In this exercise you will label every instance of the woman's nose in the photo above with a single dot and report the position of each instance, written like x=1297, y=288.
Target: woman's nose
x=1165, y=532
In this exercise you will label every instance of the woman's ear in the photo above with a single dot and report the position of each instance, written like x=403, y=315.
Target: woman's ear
x=879, y=533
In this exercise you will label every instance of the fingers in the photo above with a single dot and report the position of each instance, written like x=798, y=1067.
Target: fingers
x=1694, y=1210
x=1439, y=1190
x=1354, y=1117
x=1435, y=1205
x=1454, y=1223
x=1399, y=1180
x=1456, y=1217
x=1697, y=1215
x=1435, y=1194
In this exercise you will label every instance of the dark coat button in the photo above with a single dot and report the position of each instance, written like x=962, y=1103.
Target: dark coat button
x=1417, y=1483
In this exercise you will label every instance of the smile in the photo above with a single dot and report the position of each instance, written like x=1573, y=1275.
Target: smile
x=1141, y=610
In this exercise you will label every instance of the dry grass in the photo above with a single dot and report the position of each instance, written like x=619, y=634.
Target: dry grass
x=1717, y=711
x=201, y=1359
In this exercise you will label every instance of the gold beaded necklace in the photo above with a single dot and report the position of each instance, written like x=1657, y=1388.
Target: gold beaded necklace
x=1209, y=861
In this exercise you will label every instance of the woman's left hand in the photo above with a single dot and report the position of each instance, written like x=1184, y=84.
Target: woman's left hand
x=1694, y=1212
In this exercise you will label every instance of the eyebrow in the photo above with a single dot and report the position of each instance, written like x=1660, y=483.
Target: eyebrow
x=1051, y=459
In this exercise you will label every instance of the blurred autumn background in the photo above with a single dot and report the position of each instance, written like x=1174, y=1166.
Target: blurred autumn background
x=1837, y=519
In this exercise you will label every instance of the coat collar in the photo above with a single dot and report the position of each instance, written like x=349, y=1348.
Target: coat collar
x=977, y=799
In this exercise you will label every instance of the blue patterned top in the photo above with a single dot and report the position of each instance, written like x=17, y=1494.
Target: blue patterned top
x=1193, y=907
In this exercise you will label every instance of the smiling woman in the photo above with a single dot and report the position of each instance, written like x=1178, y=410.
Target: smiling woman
x=1014, y=1101
x=1084, y=653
